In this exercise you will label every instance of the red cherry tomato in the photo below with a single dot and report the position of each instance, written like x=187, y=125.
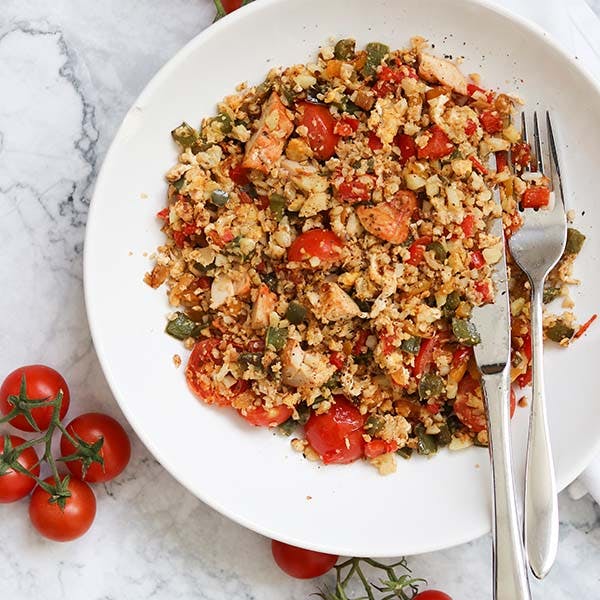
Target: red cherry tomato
x=432, y=595
x=336, y=435
x=491, y=121
x=231, y=5
x=322, y=243
x=438, y=146
x=474, y=418
x=535, y=197
x=42, y=383
x=115, y=450
x=199, y=371
x=301, y=563
x=406, y=145
x=61, y=525
x=15, y=485
x=321, y=129
x=267, y=417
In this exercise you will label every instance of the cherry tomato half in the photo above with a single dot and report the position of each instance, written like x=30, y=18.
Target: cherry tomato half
x=322, y=243
x=267, y=417
x=471, y=416
x=336, y=436
x=321, y=129
x=15, y=485
x=115, y=450
x=301, y=563
x=42, y=383
x=432, y=595
x=63, y=525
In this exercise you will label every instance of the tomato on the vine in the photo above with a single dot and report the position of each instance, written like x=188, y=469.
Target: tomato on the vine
x=114, y=451
x=66, y=523
x=301, y=563
x=15, y=485
x=432, y=595
x=41, y=383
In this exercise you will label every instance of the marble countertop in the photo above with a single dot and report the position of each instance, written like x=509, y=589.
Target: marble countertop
x=68, y=73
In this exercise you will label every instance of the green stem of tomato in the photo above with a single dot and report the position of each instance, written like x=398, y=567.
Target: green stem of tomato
x=64, y=431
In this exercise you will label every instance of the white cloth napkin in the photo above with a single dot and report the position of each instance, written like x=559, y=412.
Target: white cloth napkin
x=576, y=27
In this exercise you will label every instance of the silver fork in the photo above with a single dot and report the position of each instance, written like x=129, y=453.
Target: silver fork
x=536, y=247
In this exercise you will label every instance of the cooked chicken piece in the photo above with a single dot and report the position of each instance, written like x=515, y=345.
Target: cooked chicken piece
x=440, y=70
x=266, y=145
x=390, y=220
x=302, y=368
x=225, y=287
x=331, y=303
x=263, y=306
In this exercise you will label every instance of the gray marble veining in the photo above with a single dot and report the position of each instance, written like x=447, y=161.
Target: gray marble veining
x=68, y=73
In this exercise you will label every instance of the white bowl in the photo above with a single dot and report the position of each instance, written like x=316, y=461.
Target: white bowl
x=252, y=475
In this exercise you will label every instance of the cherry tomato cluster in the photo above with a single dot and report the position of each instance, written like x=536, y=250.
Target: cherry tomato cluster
x=94, y=448
x=307, y=564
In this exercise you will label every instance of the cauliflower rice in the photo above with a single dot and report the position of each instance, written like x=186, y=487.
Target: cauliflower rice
x=327, y=240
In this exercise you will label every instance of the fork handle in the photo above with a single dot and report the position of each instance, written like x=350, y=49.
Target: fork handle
x=541, y=503
x=509, y=568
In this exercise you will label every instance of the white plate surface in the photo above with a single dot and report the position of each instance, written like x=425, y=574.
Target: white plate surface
x=252, y=475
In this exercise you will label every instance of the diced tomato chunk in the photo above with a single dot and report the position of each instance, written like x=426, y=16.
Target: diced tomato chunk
x=239, y=175
x=524, y=380
x=478, y=166
x=461, y=355
x=477, y=261
x=438, y=146
x=491, y=121
x=337, y=359
x=376, y=448
x=432, y=409
x=501, y=160
x=387, y=342
x=163, y=214
x=471, y=127
x=468, y=225
x=406, y=145
x=374, y=142
x=346, y=126
x=521, y=154
x=483, y=288
x=535, y=197
x=417, y=250
x=355, y=190
x=360, y=344
x=472, y=89
x=425, y=356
